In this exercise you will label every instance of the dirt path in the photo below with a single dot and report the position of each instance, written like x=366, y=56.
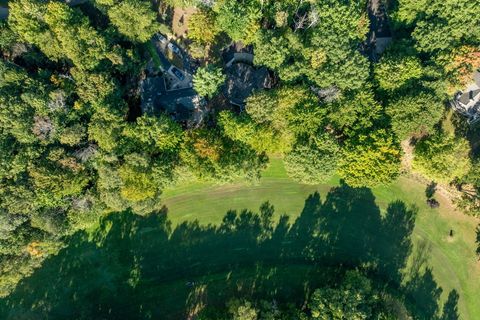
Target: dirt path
x=180, y=21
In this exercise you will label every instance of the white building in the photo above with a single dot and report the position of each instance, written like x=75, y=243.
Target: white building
x=467, y=102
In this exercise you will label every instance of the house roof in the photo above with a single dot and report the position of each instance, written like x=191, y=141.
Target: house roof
x=155, y=97
x=464, y=98
x=474, y=94
x=153, y=91
x=468, y=101
x=242, y=80
x=235, y=48
x=467, y=96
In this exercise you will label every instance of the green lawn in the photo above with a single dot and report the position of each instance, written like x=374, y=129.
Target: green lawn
x=452, y=261
x=143, y=267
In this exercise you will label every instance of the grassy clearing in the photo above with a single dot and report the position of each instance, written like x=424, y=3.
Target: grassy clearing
x=208, y=202
x=452, y=260
x=140, y=267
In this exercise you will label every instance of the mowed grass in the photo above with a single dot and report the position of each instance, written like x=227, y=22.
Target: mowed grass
x=134, y=267
x=451, y=259
x=208, y=203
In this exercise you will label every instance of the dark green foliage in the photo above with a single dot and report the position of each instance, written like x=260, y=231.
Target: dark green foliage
x=60, y=31
x=153, y=134
x=239, y=19
x=207, y=81
x=134, y=19
x=355, y=112
x=444, y=25
x=354, y=298
x=210, y=155
x=394, y=72
x=271, y=50
x=326, y=53
x=414, y=113
x=287, y=113
x=257, y=135
x=73, y=146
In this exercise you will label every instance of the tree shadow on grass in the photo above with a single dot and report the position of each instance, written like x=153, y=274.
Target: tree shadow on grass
x=450, y=310
x=477, y=241
x=137, y=267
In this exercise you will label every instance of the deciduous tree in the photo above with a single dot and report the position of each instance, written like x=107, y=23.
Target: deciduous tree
x=207, y=80
x=239, y=19
x=134, y=18
x=202, y=27
x=414, y=113
x=442, y=156
x=394, y=72
x=314, y=161
x=370, y=159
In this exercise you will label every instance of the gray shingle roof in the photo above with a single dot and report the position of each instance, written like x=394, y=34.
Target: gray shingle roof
x=242, y=80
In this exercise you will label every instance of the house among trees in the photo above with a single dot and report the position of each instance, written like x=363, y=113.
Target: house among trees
x=242, y=76
x=171, y=91
x=183, y=105
x=467, y=102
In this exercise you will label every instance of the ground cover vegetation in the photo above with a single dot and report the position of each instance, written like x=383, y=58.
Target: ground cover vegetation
x=74, y=146
x=271, y=264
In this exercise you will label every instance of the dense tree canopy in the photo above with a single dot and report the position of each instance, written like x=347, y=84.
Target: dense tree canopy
x=369, y=160
x=202, y=27
x=355, y=112
x=353, y=298
x=75, y=144
x=211, y=155
x=393, y=72
x=414, y=113
x=443, y=156
x=239, y=19
x=444, y=26
x=134, y=19
x=60, y=32
x=326, y=53
x=315, y=161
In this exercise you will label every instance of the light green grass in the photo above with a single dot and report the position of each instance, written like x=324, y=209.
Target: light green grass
x=453, y=261
x=208, y=202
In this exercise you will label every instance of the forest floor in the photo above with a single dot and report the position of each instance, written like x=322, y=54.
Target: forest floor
x=151, y=268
